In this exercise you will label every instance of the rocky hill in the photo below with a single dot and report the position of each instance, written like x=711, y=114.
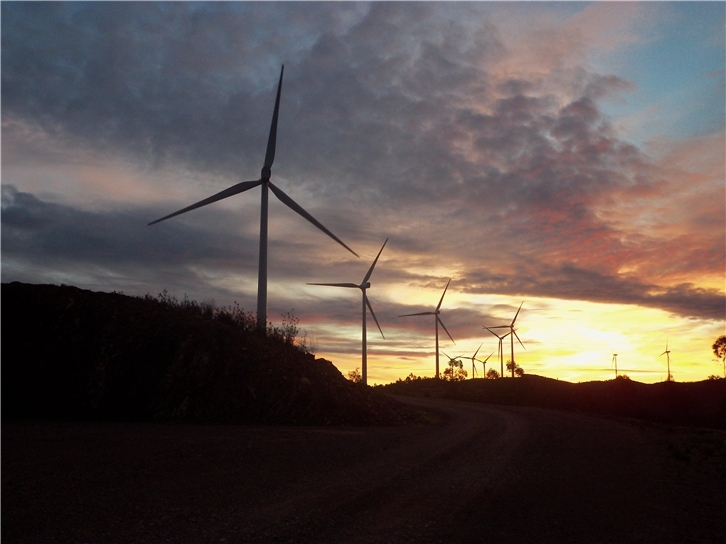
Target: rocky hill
x=69, y=353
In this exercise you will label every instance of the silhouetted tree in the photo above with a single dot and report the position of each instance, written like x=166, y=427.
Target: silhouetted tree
x=455, y=372
x=492, y=374
x=719, y=350
x=355, y=376
x=515, y=369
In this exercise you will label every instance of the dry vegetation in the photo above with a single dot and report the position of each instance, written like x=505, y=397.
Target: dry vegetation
x=72, y=354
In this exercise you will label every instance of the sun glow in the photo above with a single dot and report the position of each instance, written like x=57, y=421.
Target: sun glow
x=569, y=340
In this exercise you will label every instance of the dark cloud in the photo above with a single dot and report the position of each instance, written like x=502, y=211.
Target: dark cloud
x=394, y=122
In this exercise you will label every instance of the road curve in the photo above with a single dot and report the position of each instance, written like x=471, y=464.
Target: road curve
x=481, y=473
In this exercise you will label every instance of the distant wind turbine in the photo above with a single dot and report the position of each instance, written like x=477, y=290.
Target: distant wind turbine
x=500, y=350
x=615, y=363
x=437, y=321
x=365, y=284
x=266, y=184
x=667, y=353
x=451, y=359
x=474, y=359
x=513, y=333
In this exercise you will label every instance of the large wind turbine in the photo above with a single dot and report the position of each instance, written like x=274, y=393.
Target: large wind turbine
x=615, y=363
x=437, y=321
x=667, y=353
x=365, y=284
x=265, y=184
x=500, y=350
x=513, y=333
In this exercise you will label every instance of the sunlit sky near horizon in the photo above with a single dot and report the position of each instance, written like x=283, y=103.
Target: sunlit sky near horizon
x=567, y=156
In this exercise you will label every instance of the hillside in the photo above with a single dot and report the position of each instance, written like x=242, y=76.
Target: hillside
x=69, y=353
x=698, y=404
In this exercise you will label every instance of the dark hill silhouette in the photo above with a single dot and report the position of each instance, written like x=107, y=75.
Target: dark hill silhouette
x=69, y=353
x=699, y=404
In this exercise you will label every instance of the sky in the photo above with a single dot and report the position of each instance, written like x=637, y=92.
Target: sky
x=568, y=157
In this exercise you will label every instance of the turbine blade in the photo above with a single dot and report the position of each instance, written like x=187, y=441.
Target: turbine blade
x=477, y=350
x=370, y=270
x=420, y=313
x=337, y=285
x=444, y=326
x=372, y=313
x=442, y=296
x=518, y=340
x=271, y=141
x=230, y=191
x=290, y=203
x=485, y=360
x=515, y=315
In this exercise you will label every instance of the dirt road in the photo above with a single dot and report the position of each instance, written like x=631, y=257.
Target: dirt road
x=480, y=474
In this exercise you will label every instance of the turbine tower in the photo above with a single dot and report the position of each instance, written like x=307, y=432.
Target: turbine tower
x=365, y=284
x=513, y=333
x=667, y=353
x=500, y=350
x=437, y=321
x=615, y=363
x=265, y=183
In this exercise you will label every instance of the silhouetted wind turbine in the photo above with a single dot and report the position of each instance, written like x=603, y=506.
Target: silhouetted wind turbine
x=451, y=359
x=437, y=321
x=615, y=362
x=474, y=359
x=513, y=333
x=365, y=284
x=500, y=350
x=484, y=364
x=667, y=353
x=265, y=183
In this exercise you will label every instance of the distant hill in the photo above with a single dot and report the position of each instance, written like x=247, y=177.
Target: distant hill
x=69, y=353
x=700, y=404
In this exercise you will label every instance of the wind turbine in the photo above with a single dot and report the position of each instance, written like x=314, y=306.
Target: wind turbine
x=452, y=359
x=615, y=362
x=513, y=333
x=667, y=353
x=265, y=183
x=437, y=321
x=484, y=364
x=365, y=284
x=500, y=350
x=474, y=359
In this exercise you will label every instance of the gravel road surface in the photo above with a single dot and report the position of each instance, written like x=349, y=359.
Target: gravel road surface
x=479, y=473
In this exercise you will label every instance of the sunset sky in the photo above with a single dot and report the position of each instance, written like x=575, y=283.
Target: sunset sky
x=569, y=156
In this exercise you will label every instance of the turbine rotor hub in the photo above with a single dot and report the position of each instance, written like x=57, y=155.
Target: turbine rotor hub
x=266, y=173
